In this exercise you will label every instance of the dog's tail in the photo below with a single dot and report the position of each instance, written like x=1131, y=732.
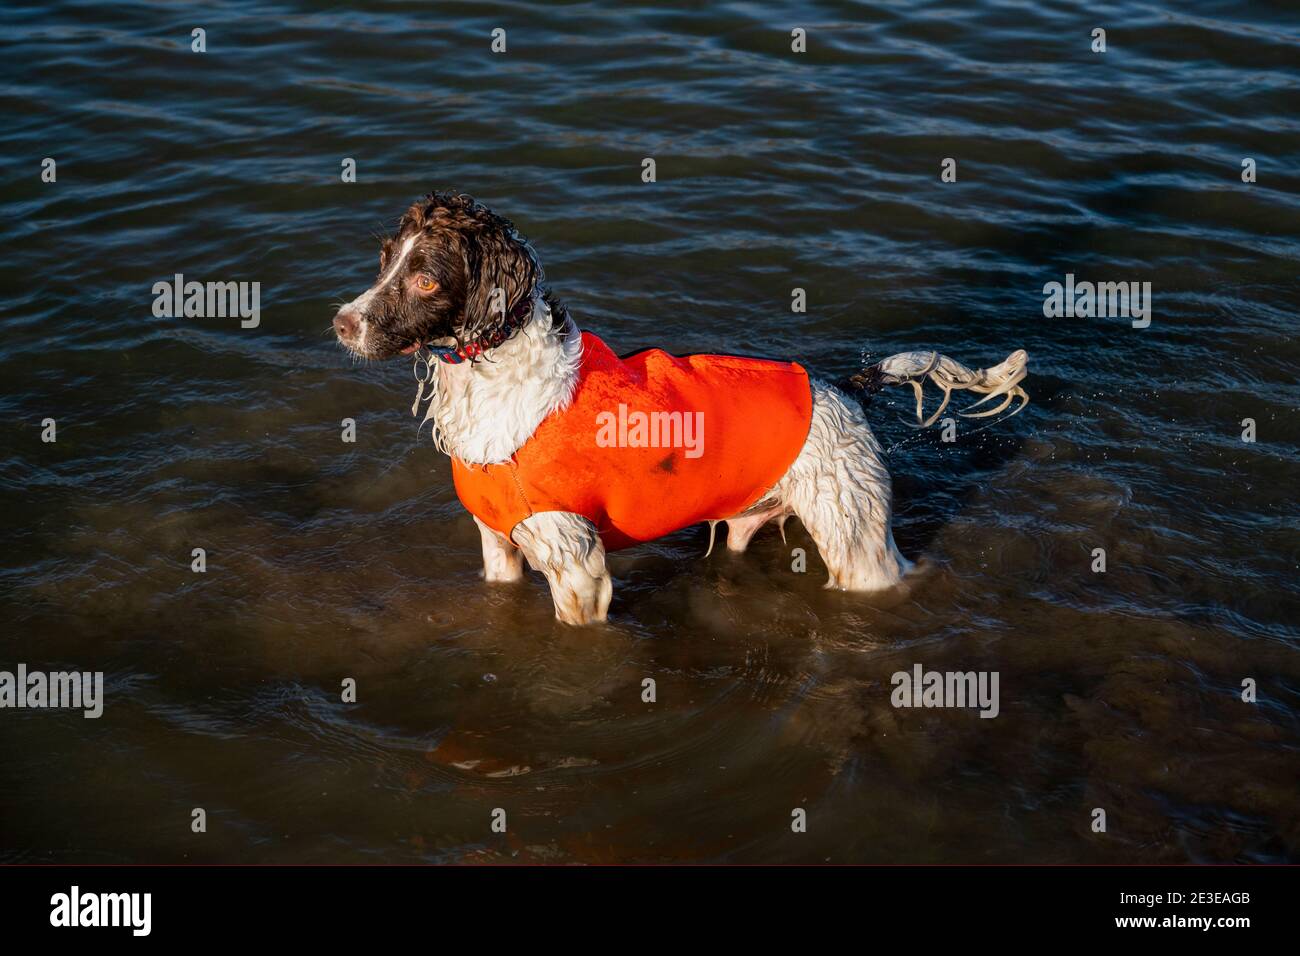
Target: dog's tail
x=913, y=368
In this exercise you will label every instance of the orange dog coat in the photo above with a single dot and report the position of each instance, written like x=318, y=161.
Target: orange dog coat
x=650, y=444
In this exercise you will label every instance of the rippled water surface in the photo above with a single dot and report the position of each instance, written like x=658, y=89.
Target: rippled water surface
x=776, y=170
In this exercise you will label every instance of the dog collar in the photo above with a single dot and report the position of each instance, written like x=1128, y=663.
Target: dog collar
x=515, y=320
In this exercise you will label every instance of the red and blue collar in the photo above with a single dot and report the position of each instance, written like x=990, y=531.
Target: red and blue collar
x=516, y=320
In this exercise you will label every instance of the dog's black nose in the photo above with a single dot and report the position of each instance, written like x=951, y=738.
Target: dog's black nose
x=346, y=325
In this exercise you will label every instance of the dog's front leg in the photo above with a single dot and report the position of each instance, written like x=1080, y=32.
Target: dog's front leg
x=502, y=561
x=567, y=549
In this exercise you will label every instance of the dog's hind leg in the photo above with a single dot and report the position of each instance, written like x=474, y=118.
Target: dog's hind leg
x=502, y=561
x=839, y=488
x=567, y=549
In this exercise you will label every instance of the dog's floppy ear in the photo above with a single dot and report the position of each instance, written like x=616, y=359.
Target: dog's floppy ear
x=496, y=257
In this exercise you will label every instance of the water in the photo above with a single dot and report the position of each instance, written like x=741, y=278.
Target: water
x=776, y=170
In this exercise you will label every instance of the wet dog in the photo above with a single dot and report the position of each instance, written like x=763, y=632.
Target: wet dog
x=563, y=450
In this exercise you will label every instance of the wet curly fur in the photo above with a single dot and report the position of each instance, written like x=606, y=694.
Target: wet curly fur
x=474, y=252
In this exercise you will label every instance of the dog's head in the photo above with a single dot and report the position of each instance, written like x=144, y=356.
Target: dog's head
x=437, y=278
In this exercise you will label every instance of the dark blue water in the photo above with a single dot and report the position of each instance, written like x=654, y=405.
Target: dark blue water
x=775, y=170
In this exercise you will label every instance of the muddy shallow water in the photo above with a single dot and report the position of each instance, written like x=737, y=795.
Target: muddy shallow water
x=328, y=560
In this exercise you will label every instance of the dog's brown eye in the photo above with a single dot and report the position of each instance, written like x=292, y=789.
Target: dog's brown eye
x=424, y=283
